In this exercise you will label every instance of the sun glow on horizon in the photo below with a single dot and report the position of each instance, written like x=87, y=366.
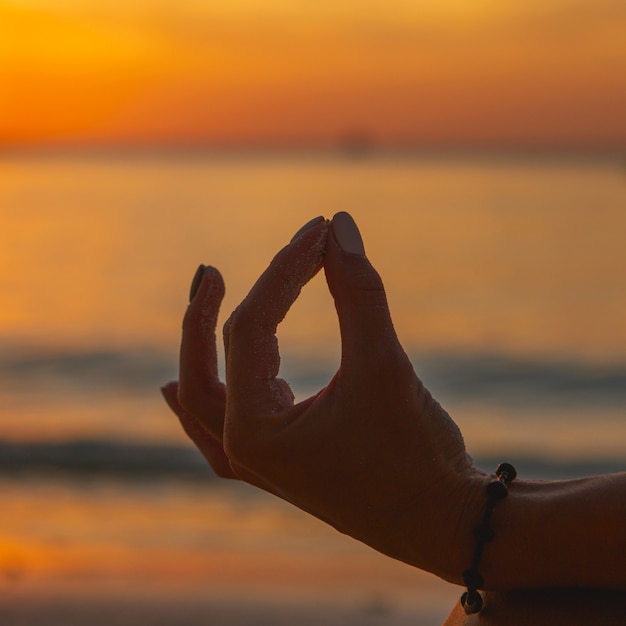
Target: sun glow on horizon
x=251, y=71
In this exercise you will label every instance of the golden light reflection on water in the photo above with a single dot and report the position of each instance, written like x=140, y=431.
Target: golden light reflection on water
x=96, y=255
x=173, y=534
x=521, y=257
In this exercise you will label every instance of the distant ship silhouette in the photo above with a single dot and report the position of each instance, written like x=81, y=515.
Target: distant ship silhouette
x=356, y=143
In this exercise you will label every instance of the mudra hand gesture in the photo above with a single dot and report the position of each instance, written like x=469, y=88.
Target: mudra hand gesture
x=372, y=453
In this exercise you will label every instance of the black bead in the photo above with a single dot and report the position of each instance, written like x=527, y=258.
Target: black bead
x=507, y=471
x=472, y=579
x=472, y=602
x=497, y=490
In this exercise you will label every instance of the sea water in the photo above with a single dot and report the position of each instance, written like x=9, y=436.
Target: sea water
x=505, y=278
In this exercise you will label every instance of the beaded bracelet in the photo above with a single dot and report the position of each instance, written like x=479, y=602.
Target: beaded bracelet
x=497, y=490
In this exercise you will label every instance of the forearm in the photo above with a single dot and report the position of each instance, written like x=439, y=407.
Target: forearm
x=556, y=607
x=558, y=534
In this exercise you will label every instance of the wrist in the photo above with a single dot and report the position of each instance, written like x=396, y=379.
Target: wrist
x=468, y=516
x=546, y=534
x=435, y=535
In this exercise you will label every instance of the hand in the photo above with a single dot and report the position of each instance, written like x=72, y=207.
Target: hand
x=372, y=453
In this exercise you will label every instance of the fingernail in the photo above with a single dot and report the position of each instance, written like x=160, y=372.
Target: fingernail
x=196, y=282
x=313, y=222
x=347, y=234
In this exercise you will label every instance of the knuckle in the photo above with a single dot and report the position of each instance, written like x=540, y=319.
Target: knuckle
x=204, y=403
x=188, y=400
x=238, y=448
x=244, y=448
x=368, y=281
x=240, y=318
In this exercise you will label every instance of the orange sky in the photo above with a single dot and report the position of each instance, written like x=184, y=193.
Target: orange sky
x=259, y=71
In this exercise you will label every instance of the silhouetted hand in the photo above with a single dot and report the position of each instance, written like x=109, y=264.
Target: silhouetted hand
x=372, y=453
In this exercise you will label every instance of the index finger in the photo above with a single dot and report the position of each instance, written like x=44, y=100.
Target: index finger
x=252, y=359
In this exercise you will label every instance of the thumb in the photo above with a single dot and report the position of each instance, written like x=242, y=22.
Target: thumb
x=367, y=332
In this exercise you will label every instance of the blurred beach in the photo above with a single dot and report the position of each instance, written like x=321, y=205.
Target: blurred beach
x=505, y=277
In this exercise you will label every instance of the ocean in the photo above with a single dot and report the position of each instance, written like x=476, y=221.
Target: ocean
x=505, y=277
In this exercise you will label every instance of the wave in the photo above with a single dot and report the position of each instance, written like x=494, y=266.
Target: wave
x=102, y=458
x=143, y=461
x=500, y=380
x=134, y=370
x=488, y=378
x=511, y=381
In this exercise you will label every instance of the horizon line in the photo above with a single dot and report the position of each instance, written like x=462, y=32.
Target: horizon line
x=348, y=147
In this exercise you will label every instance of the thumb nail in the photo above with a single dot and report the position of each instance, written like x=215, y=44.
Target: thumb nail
x=347, y=234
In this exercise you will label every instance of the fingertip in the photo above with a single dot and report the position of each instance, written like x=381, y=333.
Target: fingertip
x=346, y=234
x=312, y=237
x=310, y=224
x=346, y=263
x=213, y=274
x=170, y=393
x=214, y=283
x=207, y=277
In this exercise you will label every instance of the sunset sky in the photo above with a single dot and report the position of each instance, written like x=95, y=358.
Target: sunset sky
x=81, y=72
